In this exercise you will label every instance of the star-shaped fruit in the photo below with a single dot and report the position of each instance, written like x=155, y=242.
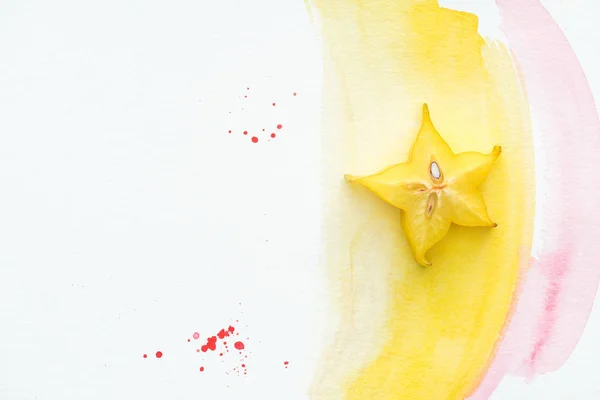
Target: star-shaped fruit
x=434, y=188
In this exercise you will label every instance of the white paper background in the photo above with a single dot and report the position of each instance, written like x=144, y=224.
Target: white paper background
x=130, y=218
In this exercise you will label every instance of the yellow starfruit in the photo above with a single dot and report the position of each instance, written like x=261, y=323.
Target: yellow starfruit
x=434, y=188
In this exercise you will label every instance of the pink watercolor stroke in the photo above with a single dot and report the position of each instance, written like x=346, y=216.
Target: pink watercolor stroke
x=558, y=289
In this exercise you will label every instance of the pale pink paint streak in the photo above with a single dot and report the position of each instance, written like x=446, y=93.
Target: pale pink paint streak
x=558, y=289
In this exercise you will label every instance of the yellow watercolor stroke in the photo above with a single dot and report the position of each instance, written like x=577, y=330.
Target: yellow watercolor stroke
x=401, y=331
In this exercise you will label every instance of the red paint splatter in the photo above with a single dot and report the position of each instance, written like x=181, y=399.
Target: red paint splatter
x=229, y=131
x=159, y=354
x=201, y=369
x=196, y=334
x=219, y=344
x=188, y=340
x=256, y=139
x=273, y=135
x=145, y=356
x=286, y=362
x=211, y=342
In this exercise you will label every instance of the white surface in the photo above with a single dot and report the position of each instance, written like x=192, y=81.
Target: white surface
x=129, y=218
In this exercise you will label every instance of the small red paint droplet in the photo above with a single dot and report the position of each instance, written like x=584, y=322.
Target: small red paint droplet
x=196, y=334
x=201, y=369
x=245, y=97
x=273, y=135
x=279, y=126
x=274, y=104
x=159, y=354
x=239, y=345
x=221, y=354
x=245, y=132
x=294, y=93
x=254, y=139
x=286, y=363
x=211, y=343
x=247, y=88
x=229, y=131
x=188, y=340
x=243, y=365
x=222, y=334
x=204, y=348
x=145, y=355
x=230, y=329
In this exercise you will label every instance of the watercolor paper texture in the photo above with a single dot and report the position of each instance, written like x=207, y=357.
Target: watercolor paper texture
x=558, y=291
x=485, y=308
x=435, y=329
x=175, y=222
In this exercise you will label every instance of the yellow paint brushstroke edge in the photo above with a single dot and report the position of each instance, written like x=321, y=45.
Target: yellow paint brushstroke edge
x=401, y=331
